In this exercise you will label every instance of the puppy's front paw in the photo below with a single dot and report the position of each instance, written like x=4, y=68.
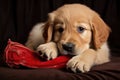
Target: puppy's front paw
x=49, y=50
x=78, y=64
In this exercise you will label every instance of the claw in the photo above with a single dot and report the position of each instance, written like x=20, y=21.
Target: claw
x=78, y=71
x=45, y=56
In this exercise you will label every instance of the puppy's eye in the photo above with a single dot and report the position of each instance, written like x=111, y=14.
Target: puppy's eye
x=80, y=29
x=60, y=29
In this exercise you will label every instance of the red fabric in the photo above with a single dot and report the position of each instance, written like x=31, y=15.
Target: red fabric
x=17, y=54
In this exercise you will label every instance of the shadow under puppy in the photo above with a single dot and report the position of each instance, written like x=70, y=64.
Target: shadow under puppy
x=73, y=29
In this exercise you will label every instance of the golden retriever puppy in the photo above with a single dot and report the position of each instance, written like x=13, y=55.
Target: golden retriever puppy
x=73, y=29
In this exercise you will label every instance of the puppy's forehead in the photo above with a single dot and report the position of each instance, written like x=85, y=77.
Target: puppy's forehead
x=73, y=12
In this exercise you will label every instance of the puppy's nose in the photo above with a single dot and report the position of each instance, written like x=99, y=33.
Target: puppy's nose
x=68, y=47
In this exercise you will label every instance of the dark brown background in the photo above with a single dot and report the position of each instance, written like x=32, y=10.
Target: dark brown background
x=17, y=17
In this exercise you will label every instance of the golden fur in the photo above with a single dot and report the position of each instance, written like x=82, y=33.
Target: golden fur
x=63, y=26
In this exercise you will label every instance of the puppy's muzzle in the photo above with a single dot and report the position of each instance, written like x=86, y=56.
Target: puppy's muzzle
x=69, y=47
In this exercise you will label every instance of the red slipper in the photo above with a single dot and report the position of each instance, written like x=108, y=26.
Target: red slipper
x=17, y=55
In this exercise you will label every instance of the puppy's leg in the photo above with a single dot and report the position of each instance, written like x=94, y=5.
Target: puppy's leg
x=35, y=37
x=48, y=49
x=103, y=54
x=82, y=62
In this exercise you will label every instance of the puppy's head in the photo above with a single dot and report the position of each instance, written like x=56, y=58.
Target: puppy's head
x=75, y=28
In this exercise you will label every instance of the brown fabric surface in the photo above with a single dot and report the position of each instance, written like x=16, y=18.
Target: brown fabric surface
x=17, y=17
x=107, y=71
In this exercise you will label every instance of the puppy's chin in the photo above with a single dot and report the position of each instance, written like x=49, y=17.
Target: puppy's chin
x=64, y=52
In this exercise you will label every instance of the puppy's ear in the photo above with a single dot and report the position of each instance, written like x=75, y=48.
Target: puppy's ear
x=100, y=31
x=48, y=28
